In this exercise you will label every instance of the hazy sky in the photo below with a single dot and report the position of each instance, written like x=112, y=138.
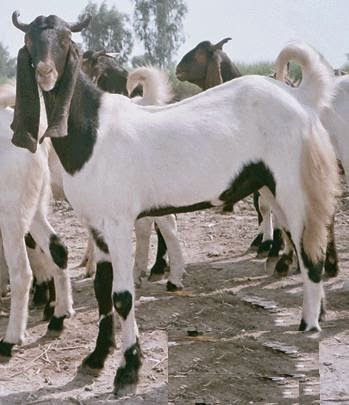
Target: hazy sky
x=259, y=28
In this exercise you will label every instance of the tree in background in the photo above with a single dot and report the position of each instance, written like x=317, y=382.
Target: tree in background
x=7, y=64
x=107, y=30
x=158, y=24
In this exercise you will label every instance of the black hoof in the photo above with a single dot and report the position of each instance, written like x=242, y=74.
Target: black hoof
x=127, y=376
x=172, y=287
x=55, y=326
x=5, y=351
x=302, y=326
x=92, y=364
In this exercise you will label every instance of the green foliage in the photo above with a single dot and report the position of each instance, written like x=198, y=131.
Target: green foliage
x=260, y=68
x=7, y=64
x=107, y=30
x=182, y=89
x=158, y=24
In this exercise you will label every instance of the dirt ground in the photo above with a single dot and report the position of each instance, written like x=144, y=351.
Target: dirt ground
x=247, y=351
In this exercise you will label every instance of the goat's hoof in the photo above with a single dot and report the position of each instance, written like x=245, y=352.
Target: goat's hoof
x=126, y=378
x=55, y=326
x=92, y=364
x=173, y=287
x=304, y=327
x=5, y=351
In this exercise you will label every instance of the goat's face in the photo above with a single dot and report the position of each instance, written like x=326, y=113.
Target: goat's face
x=92, y=64
x=48, y=40
x=193, y=65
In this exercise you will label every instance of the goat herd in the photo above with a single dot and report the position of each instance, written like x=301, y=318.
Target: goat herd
x=125, y=163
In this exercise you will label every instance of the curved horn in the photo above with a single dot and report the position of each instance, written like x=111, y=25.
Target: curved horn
x=21, y=26
x=79, y=26
x=220, y=44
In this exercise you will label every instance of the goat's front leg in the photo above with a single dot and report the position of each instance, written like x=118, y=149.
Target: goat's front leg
x=119, y=238
x=103, y=287
x=20, y=281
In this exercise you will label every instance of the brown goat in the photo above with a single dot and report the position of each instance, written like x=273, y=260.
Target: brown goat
x=207, y=65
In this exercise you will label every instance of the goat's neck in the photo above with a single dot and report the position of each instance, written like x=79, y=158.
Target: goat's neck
x=75, y=149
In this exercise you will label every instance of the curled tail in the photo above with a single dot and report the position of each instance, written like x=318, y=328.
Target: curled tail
x=320, y=178
x=157, y=89
x=316, y=88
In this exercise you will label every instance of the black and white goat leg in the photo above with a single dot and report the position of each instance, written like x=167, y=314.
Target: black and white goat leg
x=118, y=235
x=103, y=280
x=52, y=246
x=157, y=272
x=168, y=228
x=291, y=216
x=258, y=239
x=266, y=228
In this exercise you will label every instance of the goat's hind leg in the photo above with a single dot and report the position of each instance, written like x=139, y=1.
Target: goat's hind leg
x=55, y=250
x=331, y=261
x=20, y=281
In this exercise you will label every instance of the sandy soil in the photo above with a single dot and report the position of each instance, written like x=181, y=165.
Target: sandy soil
x=247, y=351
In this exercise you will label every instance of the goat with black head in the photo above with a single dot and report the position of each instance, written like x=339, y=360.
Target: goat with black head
x=114, y=173
x=207, y=65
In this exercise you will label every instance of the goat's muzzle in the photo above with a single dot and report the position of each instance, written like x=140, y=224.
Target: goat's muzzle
x=46, y=75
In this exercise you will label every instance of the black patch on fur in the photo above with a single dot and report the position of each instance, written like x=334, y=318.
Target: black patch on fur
x=41, y=294
x=105, y=340
x=331, y=261
x=29, y=241
x=128, y=374
x=252, y=177
x=160, y=211
x=265, y=246
x=315, y=270
x=99, y=240
x=160, y=262
x=283, y=265
x=58, y=252
x=257, y=240
x=56, y=323
x=256, y=196
x=278, y=243
x=5, y=348
x=302, y=325
x=171, y=287
x=75, y=149
x=122, y=303
x=49, y=308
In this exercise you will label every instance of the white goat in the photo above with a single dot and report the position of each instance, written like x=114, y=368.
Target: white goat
x=25, y=189
x=210, y=150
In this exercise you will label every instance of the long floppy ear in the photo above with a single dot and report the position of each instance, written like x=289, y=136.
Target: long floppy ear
x=25, y=124
x=57, y=107
x=213, y=72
